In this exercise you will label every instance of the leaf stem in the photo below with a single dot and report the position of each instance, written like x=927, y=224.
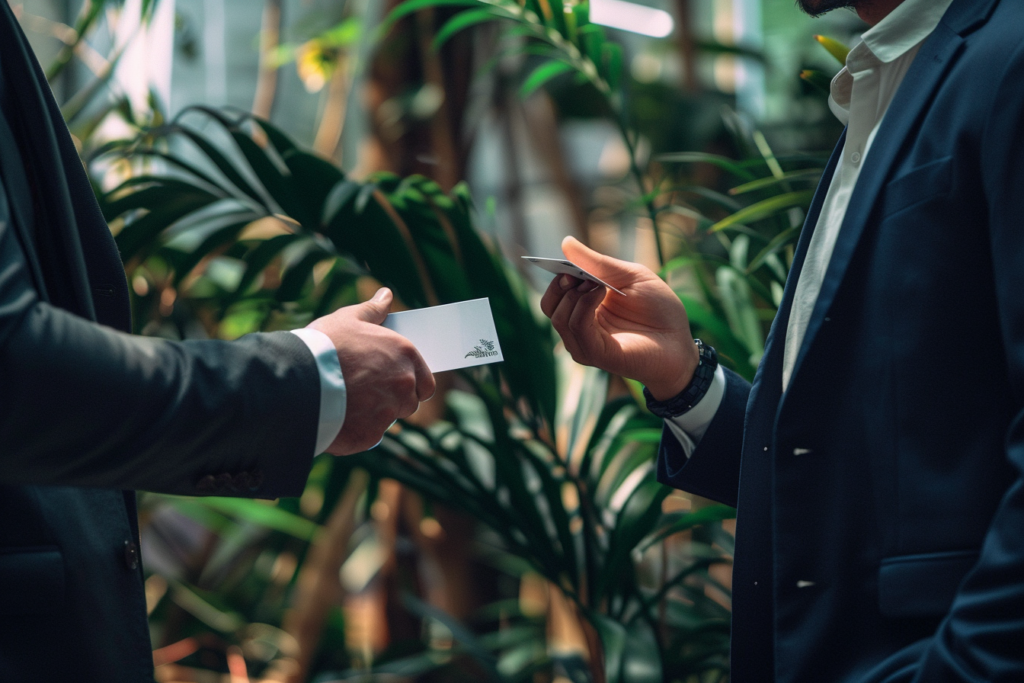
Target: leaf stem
x=638, y=176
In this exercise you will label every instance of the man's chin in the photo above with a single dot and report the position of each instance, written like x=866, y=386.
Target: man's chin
x=818, y=7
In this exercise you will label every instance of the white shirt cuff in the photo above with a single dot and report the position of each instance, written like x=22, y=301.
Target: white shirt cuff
x=689, y=427
x=333, y=396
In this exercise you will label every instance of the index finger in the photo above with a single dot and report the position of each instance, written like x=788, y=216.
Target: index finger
x=426, y=384
x=560, y=285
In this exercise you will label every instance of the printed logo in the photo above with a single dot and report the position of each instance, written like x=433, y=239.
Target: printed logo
x=485, y=352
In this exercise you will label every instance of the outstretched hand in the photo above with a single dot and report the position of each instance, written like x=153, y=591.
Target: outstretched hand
x=385, y=376
x=644, y=335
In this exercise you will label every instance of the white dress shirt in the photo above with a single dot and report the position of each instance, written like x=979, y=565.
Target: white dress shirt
x=861, y=93
x=333, y=397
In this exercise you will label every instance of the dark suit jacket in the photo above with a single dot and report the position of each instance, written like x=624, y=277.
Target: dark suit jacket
x=87, y=411
x=880, y=532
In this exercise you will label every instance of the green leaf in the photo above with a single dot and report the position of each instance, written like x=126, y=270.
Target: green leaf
x=715, y=48
x=613, y=642
x=462, y=21
x=818, y=79
x=167, y=207
x=258, y=259
x=312, y=179
x=809, y=174
x=639, y=514
x=674, y=524
x=611, y=63
x=724, y=163
x=216, y=240
x=274, y=180
x=739, y=307
x=264, y=514
x=459, y=631
x=295, y=278
x=765, y=208
x=834, y=48
x=410, y=6
x=778, y=242
x=642, y=659
x=728, y=345
x=221, y=162
x=541, y=75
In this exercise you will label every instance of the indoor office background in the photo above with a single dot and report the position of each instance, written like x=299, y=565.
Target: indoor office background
x=512, y=529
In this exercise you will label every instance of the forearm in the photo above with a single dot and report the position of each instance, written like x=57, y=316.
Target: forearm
x=85, y=405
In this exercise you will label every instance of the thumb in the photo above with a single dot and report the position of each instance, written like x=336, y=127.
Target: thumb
x=612, y=270
x=376, y=309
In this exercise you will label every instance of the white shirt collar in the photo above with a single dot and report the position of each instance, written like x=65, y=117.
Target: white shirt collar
x=903, y=29
x=906, y=26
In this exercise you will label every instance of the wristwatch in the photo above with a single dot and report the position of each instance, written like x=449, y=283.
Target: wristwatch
x=693, y=392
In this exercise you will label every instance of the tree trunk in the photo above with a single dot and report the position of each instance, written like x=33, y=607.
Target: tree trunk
x=270, y=38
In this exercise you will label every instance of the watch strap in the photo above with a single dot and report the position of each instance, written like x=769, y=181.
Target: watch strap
x=693, y=392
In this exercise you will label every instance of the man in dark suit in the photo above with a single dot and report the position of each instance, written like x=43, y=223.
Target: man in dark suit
x=89, y=413
x=877, y=460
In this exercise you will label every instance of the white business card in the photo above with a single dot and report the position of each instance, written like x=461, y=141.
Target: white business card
x=560, y=266
x=450, y=336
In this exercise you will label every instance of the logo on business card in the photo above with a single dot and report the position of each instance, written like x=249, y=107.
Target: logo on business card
x=484, y=350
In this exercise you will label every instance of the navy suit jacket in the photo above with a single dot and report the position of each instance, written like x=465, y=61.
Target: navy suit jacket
x=87, y=411
x=880, y=531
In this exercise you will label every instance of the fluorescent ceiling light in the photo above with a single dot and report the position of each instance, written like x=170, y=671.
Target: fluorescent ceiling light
x=630, y=16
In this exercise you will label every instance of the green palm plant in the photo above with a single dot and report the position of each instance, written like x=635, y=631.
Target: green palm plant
x=731, y=278
x=236, y=227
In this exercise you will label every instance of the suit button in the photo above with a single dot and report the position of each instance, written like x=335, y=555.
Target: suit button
x=801, y=451
x=255, y=480
x=224, y=482
x=131, y=555
x=241, y=481
x=206, y=484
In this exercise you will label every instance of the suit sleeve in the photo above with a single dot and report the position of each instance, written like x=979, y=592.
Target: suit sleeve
x=85, y=405
x=713, y=469
x=982, y=636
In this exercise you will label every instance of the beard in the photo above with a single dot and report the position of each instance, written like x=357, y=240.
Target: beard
x=818, y=7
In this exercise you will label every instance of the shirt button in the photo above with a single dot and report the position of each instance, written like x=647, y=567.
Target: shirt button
x=131, y=555
x=855, y=157
x=801, y=451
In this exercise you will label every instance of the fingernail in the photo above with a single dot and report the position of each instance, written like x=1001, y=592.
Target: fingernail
x=381, y=294
x=565, y=282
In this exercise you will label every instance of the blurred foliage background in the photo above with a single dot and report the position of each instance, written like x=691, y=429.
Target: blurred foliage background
x=263, y=163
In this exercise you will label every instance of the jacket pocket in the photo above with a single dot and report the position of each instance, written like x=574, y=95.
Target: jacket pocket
x=918, y=185
x=31, y=580
x=922, y=585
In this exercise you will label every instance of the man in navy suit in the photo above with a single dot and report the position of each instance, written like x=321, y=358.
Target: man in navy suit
x=877, y=460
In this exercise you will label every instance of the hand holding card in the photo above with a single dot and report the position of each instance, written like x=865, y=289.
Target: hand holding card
x=643, y=335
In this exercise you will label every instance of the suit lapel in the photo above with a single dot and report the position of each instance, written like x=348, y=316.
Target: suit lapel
x=12, y=177
x=923, y=77
x=810, y=222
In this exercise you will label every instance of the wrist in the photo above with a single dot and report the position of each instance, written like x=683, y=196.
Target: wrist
x=681, y=402
x=667, y=385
